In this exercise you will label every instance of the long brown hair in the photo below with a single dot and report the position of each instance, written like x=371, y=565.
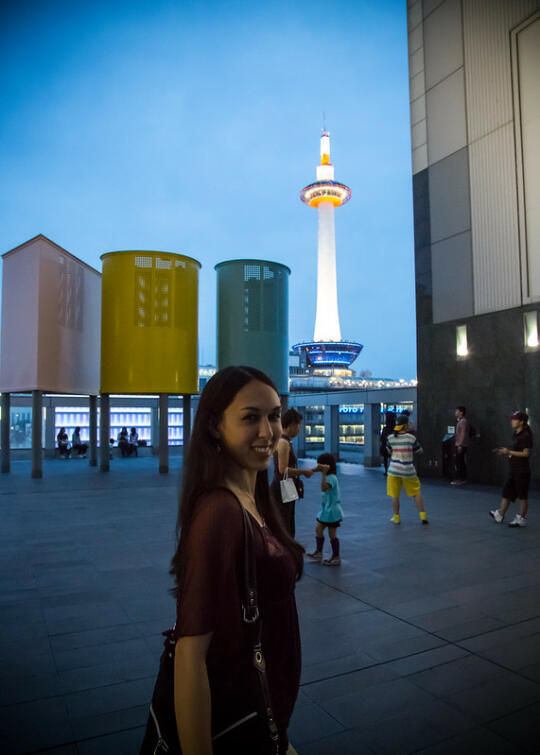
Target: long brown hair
x=204, y=469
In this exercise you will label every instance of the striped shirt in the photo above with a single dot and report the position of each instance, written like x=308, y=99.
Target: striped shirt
x=402, y=447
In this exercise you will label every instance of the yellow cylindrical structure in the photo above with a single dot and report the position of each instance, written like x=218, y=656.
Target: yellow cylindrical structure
x=149, y=323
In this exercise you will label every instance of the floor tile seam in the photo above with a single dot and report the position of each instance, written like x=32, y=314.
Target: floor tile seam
x=432, y=634
x=75, y=742
x=443, y=697
x=393, y=616
x=476, y=725
x=501, y=629
x=444, y=737
x=517, y=672
x=63, y=695
x=377, y=664
x=507, y=714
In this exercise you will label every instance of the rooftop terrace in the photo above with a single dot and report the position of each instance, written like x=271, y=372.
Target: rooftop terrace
x=426, y=640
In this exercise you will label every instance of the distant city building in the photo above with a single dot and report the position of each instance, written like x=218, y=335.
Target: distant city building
x=327, y=354
x=475, y=113
x=205, y=373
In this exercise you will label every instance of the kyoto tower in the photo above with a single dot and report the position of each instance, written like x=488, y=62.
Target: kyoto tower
x=327, y=353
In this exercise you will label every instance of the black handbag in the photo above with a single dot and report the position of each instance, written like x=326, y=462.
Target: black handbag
x=161, y=734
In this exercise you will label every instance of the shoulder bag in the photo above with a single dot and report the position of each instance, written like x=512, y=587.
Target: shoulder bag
x=161, y=731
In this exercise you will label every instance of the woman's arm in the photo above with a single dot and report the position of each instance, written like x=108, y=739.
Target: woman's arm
x=508, y=452
x=283, y=460
x=192, y=695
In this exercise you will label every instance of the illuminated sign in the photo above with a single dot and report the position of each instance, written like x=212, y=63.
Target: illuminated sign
x=351, y=409
x=335, y=192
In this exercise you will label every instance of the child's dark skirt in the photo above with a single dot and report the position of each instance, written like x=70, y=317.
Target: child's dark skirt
x=330, y=524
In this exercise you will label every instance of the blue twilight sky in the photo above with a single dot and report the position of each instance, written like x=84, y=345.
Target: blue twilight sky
x=192, y=126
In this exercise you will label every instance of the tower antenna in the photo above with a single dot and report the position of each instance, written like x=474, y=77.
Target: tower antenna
x=324, y=121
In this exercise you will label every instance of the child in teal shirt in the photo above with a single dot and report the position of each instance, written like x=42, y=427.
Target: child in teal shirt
x=330, y=514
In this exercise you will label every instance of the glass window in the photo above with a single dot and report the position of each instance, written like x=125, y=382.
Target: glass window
x=20, y=427
x=462, y=348
x=530, y=328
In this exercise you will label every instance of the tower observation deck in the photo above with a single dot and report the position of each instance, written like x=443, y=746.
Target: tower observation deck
x=327, y=351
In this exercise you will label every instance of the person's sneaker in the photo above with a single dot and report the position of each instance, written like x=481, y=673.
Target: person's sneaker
x=518, y=521
x=458, y=482
x=423, y=517
x=495, y=514
x=396, y=519
x=334, y=561
x=315, y=556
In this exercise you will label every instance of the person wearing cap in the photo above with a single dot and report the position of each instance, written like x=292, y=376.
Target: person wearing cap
x=519, y=477
x=402, y=445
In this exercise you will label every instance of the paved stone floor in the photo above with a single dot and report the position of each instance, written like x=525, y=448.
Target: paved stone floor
x=426, y=640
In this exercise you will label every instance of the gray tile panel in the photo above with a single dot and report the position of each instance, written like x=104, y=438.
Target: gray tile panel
x=452, y=282
x=449, y=196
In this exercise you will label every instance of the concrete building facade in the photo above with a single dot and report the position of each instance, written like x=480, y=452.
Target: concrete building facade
x=475, y=134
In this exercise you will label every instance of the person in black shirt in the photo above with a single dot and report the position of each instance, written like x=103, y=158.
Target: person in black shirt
x=285, y=461
x=519, y=476
x=385, y=432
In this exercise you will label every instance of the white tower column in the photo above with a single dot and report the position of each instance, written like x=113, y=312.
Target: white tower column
x=327, y=326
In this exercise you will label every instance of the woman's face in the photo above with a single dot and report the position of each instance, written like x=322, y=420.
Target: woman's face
x=293, y=430
x=251, y=426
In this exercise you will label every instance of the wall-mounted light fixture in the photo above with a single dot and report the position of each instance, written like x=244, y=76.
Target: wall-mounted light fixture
x=462, y=349
x=530, y=329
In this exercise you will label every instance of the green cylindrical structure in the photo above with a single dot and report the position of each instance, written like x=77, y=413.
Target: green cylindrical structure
x=253, y=317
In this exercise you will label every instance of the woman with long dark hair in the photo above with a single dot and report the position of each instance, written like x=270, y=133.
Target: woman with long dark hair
x=235, y=433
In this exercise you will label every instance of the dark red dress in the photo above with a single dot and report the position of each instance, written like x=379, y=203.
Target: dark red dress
x=210, y=602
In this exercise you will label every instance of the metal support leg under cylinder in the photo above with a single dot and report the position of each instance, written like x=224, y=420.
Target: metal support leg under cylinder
x=186, y=424
x=37, y=431
x=104, y=432
x=92, y=430
x=163, y=433
x=6, y=406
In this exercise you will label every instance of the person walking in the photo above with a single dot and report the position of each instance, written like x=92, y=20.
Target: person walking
x=402, y=445
x=330, y=514
x=235, y=432
x=519, y=473
x=461, y=444
x=286, y=465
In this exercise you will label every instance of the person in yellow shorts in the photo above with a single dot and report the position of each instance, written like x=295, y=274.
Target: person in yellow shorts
x=402, y=445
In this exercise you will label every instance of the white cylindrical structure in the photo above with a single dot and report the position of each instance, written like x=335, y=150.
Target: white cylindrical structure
x=327, y=326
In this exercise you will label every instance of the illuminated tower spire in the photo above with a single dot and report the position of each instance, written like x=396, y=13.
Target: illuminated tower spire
x=327, y=348
x=325, y=194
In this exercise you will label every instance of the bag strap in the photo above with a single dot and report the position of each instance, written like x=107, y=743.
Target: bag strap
x=251, y=616
x=250, y=606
